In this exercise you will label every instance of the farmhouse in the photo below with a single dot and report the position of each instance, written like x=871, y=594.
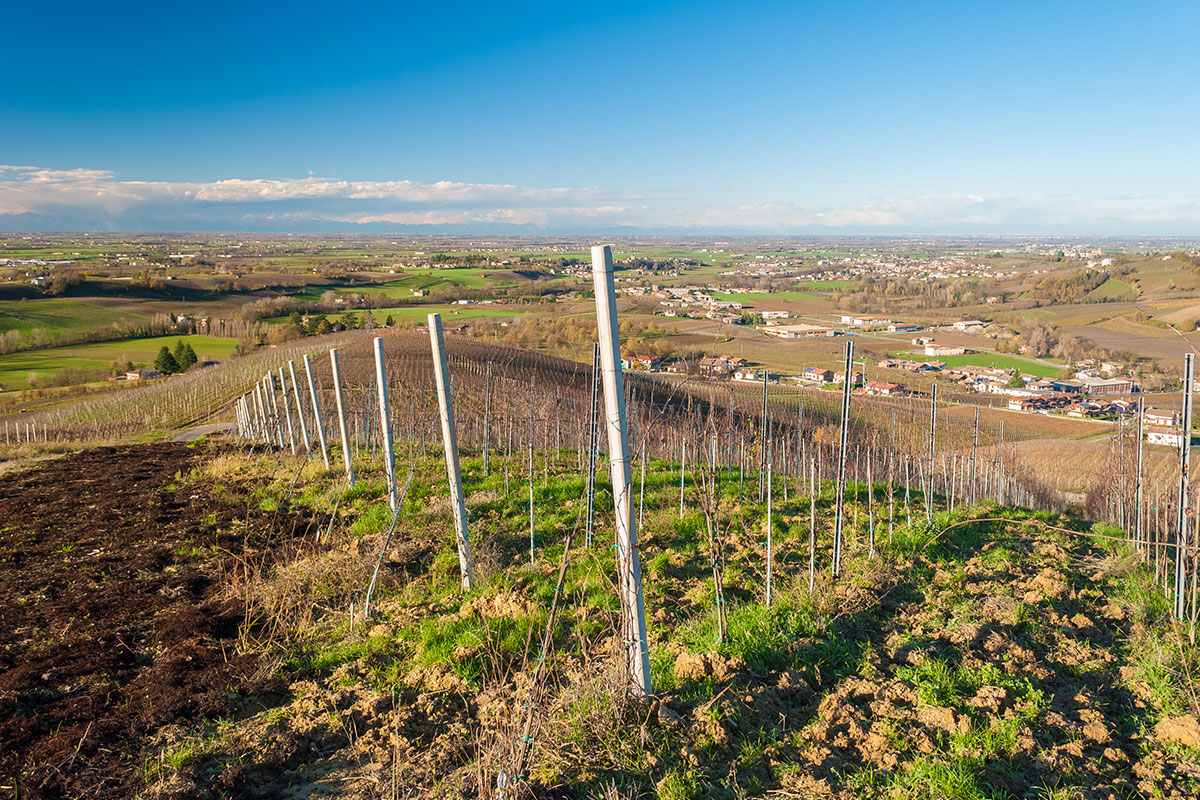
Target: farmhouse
x=898, y=327
x=1107, y=385
x=867, y=323
x=814, y=375
x=933, y=348
x=883, y=388
x=1073, y=387
x=1162, y=418
x=856, y=378
x=1084, y=410
x=648, y=363
x=1171, y=437
x=798, y=330
x=967, y=324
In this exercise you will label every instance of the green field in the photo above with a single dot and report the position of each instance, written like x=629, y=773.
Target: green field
x=15, y=367
x=1112, y=289
x=427, y=280
x=449, y=313
x=418, y=314
x=56, y=315
x=996, y=360
x=737, y=297
x=827, y=284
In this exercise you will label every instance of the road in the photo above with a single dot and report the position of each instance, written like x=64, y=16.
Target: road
x=192, y=434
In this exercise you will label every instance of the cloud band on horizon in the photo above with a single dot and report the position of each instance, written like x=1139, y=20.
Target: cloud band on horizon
x=39, y=198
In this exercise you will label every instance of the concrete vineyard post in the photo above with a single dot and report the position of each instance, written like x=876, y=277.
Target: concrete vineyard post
x=385, y=423
x=593, y=445
x=287, y=410
x=682, y=466
x=628, y=560
x=843, y=439
x=1181, y=511
x=273, y=394
x=1138, y=532
x=763, y=436
x=532, y=543
x=260, y=413
x=812, y=523
x=769, y=522
x=347, y=456
x=487, y=419
x=870, y=507
x=458, y=502
x=932, y=455
x=318, y=420
x=974, y=454
x=642, y=490
x=299, y=398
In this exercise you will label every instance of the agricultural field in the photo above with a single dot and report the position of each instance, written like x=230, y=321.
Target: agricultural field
x=997, y=659
x=241, y=620
x=59, y=315
x=98, y=357
x=996, y=360
x=750, y=297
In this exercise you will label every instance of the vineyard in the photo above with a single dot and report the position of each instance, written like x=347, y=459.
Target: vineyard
x=420, y=566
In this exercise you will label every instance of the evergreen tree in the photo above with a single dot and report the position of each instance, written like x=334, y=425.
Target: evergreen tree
x=390, y=321
x=350, y=320
x=165, y=362
x=187, y=358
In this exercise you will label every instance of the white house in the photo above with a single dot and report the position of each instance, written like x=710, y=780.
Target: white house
x=1172, y=437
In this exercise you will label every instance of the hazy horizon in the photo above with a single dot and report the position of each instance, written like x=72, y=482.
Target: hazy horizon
x=670, y=117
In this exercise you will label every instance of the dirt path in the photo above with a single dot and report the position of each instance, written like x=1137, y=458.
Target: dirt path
x=192, y=434
x=109, y=624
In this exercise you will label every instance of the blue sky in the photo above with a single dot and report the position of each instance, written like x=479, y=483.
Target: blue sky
x=1014, y=117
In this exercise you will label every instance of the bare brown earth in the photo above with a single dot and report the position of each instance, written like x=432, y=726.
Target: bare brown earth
x=110, y=627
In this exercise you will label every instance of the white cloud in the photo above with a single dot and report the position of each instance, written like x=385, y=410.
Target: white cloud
x=88, y=198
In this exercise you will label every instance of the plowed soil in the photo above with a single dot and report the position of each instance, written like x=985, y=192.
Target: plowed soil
x=111, y=625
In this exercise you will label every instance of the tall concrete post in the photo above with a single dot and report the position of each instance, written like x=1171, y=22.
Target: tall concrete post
x=274, y=403
x=843, y=446
x=341, y=412
x=287, y=409
x=299, y=408
x=1185, y=460
x=260, y=414
x=385, y=423
x=628, y=561
x=441, y=373
x=1138, y=531
x=318, y=421
x=932, y=453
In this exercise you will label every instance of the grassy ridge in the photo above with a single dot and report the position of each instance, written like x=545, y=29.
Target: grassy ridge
x=16, y=367
x=989, y=660
x=57, y=315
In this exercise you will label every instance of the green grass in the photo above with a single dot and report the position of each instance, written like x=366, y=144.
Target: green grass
x=57, y=315
x=1112, y=289
x=418, y=314
x=738, y=297
x=16, y=367
x=988, y=360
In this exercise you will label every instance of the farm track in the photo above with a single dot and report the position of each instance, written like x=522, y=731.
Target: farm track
x=111, y=624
